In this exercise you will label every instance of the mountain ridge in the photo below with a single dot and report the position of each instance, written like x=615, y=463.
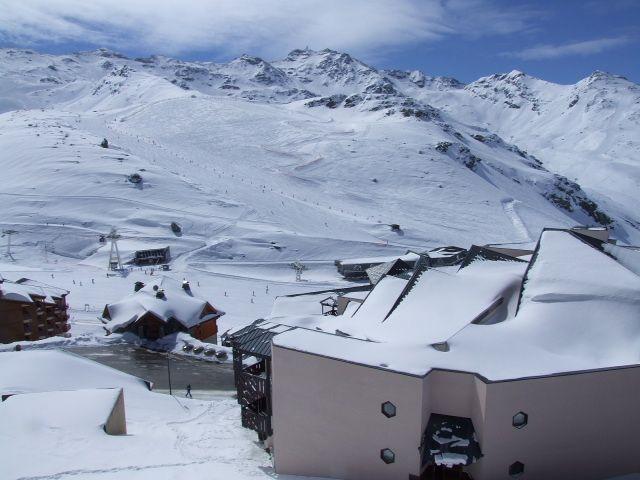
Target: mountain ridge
x=319, y=149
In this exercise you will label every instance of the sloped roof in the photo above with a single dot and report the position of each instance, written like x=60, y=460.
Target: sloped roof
x=46, y=370
x=255, y=338
x=176, y=304
x=45, y=413
x=24, y=289
x=578, y=310
x=407, y=257
x=376, y=305
x=393, y=267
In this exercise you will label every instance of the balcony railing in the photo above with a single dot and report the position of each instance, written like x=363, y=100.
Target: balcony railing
x=257, y=421
x=251, y=388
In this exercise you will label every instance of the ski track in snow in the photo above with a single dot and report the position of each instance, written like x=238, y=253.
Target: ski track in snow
x=509, y=207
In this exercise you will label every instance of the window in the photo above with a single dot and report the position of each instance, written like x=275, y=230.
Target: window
x=387, y=455
x=520, y=420
x=388, y=409
x=516, y=469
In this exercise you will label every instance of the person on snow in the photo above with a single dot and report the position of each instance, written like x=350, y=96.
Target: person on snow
x=188, y=394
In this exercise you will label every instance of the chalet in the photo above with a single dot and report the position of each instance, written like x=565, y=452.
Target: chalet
x=155, y=256
x=500, y=366
x=153, y=311
x=31, y=310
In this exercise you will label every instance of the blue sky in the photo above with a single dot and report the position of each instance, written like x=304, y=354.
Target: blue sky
x=558, y=40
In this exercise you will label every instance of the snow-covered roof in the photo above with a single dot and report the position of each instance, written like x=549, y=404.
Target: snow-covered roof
x=444, y=252
x=73, y=412
x=176, y=303
x=407, y=257
x=24, y=289
x=441, y=303
x=378, y=303
x=358, y=295
x=578, y=310
x=47, y=370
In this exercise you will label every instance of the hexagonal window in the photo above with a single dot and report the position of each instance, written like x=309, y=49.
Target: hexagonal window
x=516, y=469
x=388, y=409
x=520, y=419
x=387, y=455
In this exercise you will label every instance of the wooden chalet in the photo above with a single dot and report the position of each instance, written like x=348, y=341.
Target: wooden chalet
x=154, y=311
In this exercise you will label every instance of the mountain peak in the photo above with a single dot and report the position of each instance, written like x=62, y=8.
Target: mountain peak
x=516, y=74
x=299, y=52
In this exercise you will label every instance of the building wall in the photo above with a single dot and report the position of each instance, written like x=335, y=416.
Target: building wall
x=327, y=418
x=582, y=426
x=31, y=321
x=150, y=327
x=205, y=330
x=12, y=326
x=116, y=423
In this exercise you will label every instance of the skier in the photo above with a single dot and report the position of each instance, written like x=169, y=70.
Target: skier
x=188, y=394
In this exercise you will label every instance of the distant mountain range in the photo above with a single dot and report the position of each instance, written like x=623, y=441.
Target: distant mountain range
x=356, y=147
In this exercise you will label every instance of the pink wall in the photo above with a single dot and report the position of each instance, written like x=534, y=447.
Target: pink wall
x=327, y=419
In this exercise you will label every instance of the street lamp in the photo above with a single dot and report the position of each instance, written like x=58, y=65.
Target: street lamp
x=169, y=371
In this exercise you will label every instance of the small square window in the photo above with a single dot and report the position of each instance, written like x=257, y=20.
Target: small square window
x=516, y=469
x=387, y=455
x=388, y=409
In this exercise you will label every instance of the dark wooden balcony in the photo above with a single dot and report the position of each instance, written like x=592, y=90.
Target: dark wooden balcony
x=257, y=421
x=251, y=388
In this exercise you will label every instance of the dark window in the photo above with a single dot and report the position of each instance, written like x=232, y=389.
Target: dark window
x=516, y=469
x=387, y=455
x=388, y=409
x=520, y=420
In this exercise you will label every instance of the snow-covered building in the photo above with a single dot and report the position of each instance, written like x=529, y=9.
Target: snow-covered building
x=58, y=409
x=375, y=267
x=31, y=310
x=160, y=309
x=354, y=268
x=496, y=368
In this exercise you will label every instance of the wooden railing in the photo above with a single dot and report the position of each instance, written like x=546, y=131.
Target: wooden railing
x=257, y=421
x=251, y=388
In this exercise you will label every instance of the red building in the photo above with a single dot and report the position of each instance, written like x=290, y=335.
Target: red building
x=31, y=310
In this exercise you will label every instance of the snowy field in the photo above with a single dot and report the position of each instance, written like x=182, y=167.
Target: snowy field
x=167, y=437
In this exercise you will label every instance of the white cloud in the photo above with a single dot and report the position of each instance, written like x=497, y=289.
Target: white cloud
x=265, y=27
x=588, y=47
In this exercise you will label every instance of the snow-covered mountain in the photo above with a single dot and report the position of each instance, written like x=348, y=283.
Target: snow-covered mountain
x=309, y=157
